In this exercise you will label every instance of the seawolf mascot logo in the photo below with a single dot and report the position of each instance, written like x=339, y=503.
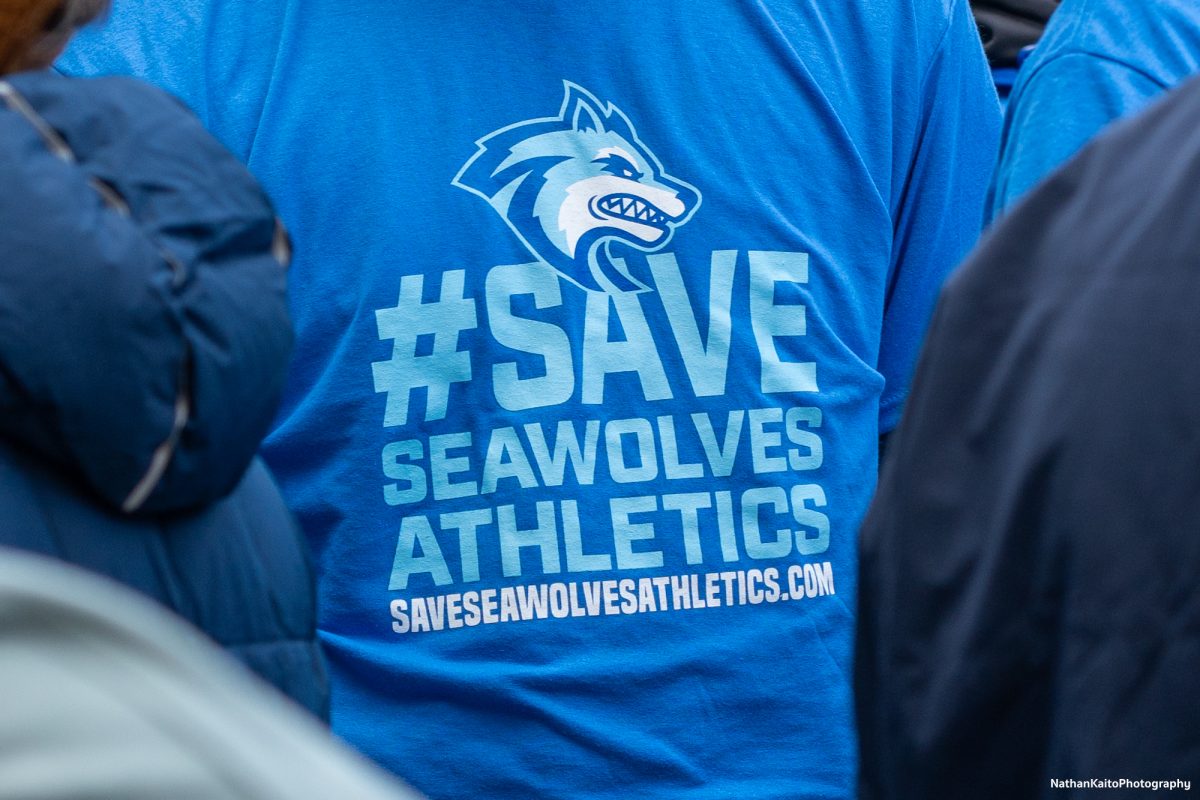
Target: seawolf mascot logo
x=573, y=186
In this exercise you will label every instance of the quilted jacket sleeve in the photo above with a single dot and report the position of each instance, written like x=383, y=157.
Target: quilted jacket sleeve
x=144, y=331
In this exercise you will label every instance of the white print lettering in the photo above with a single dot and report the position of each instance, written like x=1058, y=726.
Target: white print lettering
x=705, y=522
x=427, y=354
x=693, y=486
x=538, y=455
x=614, y=597
x=759, y=523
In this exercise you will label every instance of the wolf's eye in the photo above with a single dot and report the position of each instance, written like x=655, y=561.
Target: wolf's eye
x=615, y=165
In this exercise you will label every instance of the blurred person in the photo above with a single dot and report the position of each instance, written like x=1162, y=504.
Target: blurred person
x=33, y=33
x=1098, y=61
x=1009, y=29
x=144, y=337
x=1028, y=608
x=108, y=696
x=602, y=309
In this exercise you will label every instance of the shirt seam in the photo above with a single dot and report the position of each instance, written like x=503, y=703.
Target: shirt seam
x=937, y=51
x=1085, y=53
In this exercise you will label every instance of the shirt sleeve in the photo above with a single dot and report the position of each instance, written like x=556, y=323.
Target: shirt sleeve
x=1063, y=104
x=941, y=211
x=172, y=275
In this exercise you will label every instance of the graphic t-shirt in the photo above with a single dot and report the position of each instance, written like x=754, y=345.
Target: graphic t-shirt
x=601, y=309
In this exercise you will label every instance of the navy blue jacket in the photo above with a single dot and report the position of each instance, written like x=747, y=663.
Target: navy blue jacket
x=1029, y=601
x=144, y=337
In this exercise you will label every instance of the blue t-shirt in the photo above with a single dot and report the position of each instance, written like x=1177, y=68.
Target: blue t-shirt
x=1099, y=60
x=601, y=308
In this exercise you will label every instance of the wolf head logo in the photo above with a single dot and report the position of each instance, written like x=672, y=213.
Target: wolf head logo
x=573, y=186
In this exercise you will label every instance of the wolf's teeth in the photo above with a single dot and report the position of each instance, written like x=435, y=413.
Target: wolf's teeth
x=633, y=209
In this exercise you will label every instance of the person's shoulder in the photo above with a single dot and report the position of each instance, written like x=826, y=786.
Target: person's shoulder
x=1138, y=177
x=941, y=29
x=113, y=91
x=906, y=33
x=1142, y=157
x=123, y=91
x=1138, y=36
x=934, y=14
x=105, y=106
x=891, y=17
x=120, y=91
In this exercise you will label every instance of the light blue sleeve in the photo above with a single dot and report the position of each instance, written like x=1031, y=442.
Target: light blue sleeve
x=1062, y=104
x=940, y=217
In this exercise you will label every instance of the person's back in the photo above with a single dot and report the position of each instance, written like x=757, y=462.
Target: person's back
x=1029, y=611
x=1098, y=61
x=556, y=513
x=107, y=695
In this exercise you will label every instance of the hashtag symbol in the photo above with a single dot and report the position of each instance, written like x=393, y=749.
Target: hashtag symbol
x=444, y=319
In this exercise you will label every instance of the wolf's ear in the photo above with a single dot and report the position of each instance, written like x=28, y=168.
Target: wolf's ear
x=618, y=123
x=582, y=110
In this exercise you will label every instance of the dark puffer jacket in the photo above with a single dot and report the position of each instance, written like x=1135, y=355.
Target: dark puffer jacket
x=143, y=341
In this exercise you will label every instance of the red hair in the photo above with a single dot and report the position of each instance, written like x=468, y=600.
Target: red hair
x=33, y=31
